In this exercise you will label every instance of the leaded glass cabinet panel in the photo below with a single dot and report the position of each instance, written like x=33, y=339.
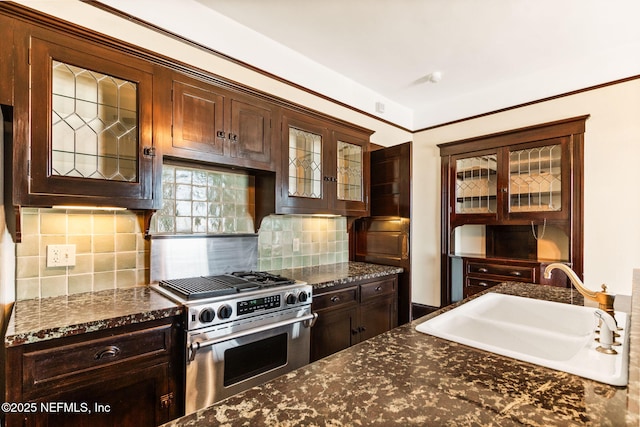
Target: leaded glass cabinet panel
x=94, y=120
x=535, y=179
x=476, y=184
x=305, y=164
x=349, y=173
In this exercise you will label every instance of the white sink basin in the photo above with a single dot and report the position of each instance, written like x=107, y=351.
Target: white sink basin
x=554, y=335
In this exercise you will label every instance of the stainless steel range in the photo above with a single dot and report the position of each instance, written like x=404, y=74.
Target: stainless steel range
x=242, y=329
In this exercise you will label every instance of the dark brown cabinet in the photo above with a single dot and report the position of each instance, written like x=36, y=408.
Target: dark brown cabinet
x=483, y=273
x=6, y=64
x=84, y=124
x=353, y=313
x=219, y=126
x=127, y=376
x=325, y=167
x=391, y=181
x=508, y=188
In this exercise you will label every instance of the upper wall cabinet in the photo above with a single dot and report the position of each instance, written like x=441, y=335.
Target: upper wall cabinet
x=209, y=123
x=6, y=61
x=525, y=181
x=84, y=133
x=325, y=167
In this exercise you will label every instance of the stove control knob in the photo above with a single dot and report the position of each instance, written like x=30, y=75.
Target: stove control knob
x=291, y=299
x=302, y=297
x=225, y=311
x=207, y=315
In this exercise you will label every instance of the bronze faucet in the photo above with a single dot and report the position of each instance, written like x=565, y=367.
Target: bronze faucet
x=603, y=298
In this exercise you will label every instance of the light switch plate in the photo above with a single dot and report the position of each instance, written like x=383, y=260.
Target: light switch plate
x=61, y=255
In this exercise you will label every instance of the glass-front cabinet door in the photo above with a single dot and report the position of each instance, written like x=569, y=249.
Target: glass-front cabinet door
x=91, y=126
x=474, y=179
x=537, y=182
x=305, y=149
x=351, y=167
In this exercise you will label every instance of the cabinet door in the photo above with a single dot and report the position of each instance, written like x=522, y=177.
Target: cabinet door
x=91, y=125
x=250, y=132
x=304, y=175
x=377, y=316
x=351, y=164
x=334, y=330
x=538, y=182
x=198, y=120
x=134, y=399
x=474, y=187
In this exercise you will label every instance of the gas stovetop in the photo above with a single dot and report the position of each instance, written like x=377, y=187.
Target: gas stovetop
x=195, y=288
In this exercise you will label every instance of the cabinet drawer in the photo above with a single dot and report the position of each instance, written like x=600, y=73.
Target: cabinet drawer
x=42, y=367
x=375, y=289
x=514, y=271
x=335, y=299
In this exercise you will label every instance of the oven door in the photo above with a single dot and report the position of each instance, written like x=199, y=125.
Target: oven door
x=222, y=361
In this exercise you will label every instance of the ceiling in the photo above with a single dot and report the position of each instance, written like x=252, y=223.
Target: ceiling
x=378, y=54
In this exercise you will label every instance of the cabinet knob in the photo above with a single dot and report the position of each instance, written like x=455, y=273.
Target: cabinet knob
x=221, y=134
x=483, y=270
x=516, y=273
x=335, y=298
x=354, y=332
x=378, y=289
x=483, y=284
x=233, y=137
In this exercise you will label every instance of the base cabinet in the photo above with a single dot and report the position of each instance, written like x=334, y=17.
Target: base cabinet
x=481, y=274
x=127, y=376
x=353, y=313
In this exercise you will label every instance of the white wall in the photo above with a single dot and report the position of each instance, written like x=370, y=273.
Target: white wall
x=611, y=196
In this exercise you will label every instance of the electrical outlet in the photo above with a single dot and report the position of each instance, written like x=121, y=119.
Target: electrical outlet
x=296, y=244
x=61, y=255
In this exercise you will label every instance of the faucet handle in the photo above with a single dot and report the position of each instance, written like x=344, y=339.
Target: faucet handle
x=604, y=288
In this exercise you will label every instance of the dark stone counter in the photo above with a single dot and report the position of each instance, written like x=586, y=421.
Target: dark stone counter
x=48, y=318
x=324, y=276
x=404, y=377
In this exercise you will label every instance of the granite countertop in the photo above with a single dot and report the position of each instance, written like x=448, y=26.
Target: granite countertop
x=56, y=317
x=404, y=377
x=324, y=276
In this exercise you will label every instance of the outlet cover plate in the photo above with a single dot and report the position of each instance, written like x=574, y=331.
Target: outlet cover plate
x=61, y=255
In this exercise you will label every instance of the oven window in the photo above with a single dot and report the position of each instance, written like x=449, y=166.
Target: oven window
x=252, y=359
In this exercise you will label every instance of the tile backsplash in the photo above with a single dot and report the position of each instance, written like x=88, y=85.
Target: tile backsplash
x=204, y=201
x=111, y=250
x=289, y=241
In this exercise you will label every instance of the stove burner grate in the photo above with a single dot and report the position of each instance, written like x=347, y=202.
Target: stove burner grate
x=204, y=287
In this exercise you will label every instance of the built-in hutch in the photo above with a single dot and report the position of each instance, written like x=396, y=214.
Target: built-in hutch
x=511, y=204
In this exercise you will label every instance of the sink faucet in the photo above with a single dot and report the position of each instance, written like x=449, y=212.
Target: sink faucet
x=603, y=298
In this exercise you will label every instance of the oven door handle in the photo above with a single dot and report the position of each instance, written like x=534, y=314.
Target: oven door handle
x=308, y=321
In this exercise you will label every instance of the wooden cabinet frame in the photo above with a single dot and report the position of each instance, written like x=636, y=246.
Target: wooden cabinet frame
x=571, y=132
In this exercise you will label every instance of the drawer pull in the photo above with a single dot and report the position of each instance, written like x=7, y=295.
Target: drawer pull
x=482, y=270
x=335, y=298
x=107, y=353
x=516, y=273
x=483, y=284
x=378, y=289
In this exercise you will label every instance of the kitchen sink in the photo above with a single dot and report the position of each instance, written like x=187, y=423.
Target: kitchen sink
x=551, y=334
